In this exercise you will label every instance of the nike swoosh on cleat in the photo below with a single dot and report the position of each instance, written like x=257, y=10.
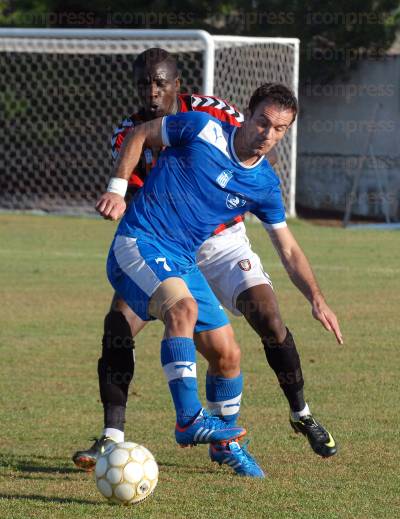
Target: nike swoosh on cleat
x=331, y=442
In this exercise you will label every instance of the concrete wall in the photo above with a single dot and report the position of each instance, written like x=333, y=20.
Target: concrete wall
x=334, y=124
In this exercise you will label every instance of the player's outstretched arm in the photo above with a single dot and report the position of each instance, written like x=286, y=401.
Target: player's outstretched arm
x=111, y=205
x=301, y=274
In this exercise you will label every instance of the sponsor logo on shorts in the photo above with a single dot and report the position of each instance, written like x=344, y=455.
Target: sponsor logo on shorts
x=224, y=177
x=233, y=201
x=245, y=264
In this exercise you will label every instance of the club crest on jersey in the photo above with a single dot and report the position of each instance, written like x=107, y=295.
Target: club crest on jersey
x=233, y=201
x=224, y=177
x=244, y=264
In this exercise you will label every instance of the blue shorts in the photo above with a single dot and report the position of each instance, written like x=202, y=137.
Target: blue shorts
x=136, y=270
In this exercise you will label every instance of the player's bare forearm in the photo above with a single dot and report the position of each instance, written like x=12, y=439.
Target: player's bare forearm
x=300, y=272
x=111, y=205
x=295, y=263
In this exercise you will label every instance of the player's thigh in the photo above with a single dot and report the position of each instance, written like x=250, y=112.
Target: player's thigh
x=135, y=322
x=211, y=314
x=173, y=303
x=143, y=274
x=231, y=267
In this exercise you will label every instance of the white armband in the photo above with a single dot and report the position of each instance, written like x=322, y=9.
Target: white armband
x=117, y=185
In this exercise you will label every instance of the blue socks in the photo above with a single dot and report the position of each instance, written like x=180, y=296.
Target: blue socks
x=178, y=359
x=224, y=396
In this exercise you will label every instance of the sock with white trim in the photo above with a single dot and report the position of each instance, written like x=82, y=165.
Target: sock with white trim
x=178, y=359
x=115, y=434
x=296, y=415
x=224, y=396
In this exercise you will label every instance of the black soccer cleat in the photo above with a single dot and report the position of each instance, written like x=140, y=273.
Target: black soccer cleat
x=321, y=441
x=86, y=460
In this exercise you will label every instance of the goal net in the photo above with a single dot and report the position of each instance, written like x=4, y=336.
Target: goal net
x=62, y=92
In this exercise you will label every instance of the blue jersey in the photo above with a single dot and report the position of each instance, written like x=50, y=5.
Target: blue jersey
x=197, y=183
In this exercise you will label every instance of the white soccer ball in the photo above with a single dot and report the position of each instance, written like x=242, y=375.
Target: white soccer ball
x=126, y=473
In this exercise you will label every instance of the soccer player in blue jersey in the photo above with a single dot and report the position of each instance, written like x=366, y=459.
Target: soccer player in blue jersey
x=156, y=79
x=211, y=173
x=235, y=274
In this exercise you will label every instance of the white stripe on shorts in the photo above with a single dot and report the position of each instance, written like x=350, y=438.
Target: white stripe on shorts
x=134, y=265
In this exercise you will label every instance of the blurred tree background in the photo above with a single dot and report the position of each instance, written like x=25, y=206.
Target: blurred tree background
x=334, y=34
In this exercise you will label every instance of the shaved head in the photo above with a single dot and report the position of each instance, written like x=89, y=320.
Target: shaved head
x=152, y=58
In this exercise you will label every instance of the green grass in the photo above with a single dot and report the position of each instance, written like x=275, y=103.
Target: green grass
x=54, y=295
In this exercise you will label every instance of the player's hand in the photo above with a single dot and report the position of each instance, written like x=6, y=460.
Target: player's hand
x=327, y=318
x=111, y=206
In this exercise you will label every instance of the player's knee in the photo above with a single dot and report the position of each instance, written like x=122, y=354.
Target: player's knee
x=226, y=360
x=275, y=330
x=230, y=361
x=278, y=340
x=260, y=307
x=119, y=305
x=181, y=316
x=268, y=324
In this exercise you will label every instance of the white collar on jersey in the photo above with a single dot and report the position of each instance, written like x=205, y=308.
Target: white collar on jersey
x=233, y=152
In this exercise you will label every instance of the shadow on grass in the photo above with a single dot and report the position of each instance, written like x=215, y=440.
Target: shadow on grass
x=188, y=467
x=21, y=467
x=36, y=464
x=46, y=499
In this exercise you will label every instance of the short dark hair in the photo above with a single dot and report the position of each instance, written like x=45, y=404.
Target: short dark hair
x=277, y=94
x=154, y=56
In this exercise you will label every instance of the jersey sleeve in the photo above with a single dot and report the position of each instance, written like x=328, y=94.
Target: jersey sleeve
x=272, y=210
x=119, y=135
x=182, y=128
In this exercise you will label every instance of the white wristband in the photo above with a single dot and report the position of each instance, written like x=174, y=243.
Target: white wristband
x=117, y=185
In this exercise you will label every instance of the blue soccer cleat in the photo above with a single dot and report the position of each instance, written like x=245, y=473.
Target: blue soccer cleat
x=237, y=457
x=207, y=429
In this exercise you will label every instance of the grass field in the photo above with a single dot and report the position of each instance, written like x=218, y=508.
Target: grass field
x=54, y=295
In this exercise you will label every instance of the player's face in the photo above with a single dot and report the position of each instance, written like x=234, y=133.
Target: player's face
x=266, y=127
x=157, y=89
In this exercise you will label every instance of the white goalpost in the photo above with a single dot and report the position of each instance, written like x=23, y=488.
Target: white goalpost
x=62, y=92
